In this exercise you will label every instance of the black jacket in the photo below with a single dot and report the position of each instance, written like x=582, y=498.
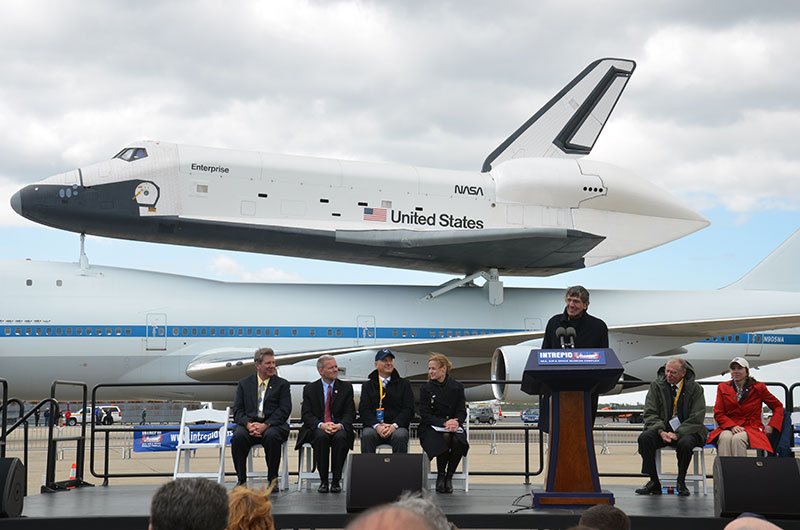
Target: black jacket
x=343, y=409
x=590, y=332
x=398, y=403
x=439, y=402
x=277, y=402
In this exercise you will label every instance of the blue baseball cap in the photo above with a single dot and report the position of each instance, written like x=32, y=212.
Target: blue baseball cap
x=382, y=354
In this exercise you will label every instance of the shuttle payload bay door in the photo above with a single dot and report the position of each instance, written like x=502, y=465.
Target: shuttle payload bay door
x=156, y=331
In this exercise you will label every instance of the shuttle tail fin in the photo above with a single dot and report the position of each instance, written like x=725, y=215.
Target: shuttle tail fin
x=569, y=124
x=776, y=272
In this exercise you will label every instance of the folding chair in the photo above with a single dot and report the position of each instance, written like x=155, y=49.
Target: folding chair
x=186, y=445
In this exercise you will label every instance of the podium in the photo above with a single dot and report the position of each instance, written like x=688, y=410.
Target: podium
x=570, y=376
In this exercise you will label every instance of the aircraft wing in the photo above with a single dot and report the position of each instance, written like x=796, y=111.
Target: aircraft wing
x=221, y=365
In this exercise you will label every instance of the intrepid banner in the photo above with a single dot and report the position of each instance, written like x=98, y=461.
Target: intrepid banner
x=150, y=438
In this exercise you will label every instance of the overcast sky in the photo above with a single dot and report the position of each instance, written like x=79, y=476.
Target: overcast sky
x=712, y=112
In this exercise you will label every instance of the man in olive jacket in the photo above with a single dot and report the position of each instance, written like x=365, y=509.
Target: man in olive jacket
x=674, y=411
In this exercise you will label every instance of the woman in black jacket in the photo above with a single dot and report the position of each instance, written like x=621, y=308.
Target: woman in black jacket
x=442, y=409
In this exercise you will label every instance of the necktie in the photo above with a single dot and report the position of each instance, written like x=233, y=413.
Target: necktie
x=328, y=417
x=674, y=391
x=261, y=389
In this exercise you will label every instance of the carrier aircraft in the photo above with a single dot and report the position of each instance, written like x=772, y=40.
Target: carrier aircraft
x=536, y=207
x=82, y=322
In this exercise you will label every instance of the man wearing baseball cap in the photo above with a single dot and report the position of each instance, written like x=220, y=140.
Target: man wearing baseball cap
x=386, y=407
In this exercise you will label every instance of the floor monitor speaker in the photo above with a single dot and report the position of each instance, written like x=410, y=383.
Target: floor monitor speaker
x=12, y=487
x=378, y=478
x=767, y=486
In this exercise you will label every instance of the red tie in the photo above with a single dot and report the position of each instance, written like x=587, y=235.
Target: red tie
x=328, y=417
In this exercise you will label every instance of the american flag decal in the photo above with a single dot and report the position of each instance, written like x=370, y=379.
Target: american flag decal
x=375, y=214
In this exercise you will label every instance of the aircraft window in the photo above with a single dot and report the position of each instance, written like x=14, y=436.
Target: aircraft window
x=449, y=332
x=330, y=333
x=48, y=331
x=28, y=282
x=221, y=332
x=758, y=339
x=203, y=331
x=99, y=331
x=127, y=331
x=38, y=331
x=277, y=332
x=241, y=332
x=249, y=332
x=175, y=332
x=79, y=331
x=68, y=331
x=194, y=332
x=405, y=333
x=267, y=332
x=394, y=333
x=324, y=201
x=441, y=333
x=258, y=332
x=108, y=331
x=418, y=208
x=132, y=153
x=59, y=283
x=7, y=331
x=88, y=331
x=737, y=338
x=231, y=332
x=458, y=333
x=185, y=332
x=18, y=331
x=263, y=195
x=432, y=333
x=413, y=332
x=213, y=332
x=312, y=332
x=386, y=204
x=294, y=333
x=730, y=338
x=370, y=333
x=338, y=332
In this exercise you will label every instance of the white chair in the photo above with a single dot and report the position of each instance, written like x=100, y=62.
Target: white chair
x=460, y=476
x=283, y=473
x=186, y=446
x=698, y=469
x=306, y=456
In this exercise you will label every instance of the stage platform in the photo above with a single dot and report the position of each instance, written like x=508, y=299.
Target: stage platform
x=485, y=506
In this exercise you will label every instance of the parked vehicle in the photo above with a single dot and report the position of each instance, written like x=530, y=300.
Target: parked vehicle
x=482, y=415
x=107, y=415
x=529, y=416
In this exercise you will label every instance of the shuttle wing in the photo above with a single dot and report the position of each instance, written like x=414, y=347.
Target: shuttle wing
x=225, y=366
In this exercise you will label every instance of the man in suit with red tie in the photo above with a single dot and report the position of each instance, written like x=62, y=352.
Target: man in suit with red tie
x=261, y=411
x=328, y=412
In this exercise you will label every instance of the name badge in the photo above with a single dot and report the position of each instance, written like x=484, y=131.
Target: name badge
x=675, y=423
x=379, y=415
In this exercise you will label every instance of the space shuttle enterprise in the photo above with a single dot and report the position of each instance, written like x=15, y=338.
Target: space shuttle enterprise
x=536, y=207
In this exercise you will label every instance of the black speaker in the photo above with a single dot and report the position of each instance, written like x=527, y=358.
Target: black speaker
x=767, y=486
x=379, y=478
x=12, y=487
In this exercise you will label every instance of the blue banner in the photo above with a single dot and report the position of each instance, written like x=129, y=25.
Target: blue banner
x=151, y=438
x=571, y=357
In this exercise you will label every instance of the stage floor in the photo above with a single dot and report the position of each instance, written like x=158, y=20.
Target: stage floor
x=484, y=506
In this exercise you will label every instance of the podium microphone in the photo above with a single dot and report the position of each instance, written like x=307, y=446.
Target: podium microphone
x=560, y=332
x=571, y=334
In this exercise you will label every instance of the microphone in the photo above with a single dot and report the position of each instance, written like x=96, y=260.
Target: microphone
x=571, y=334
x=560, y=332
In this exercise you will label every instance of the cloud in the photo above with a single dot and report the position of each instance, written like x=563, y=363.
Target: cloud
x=226, y=268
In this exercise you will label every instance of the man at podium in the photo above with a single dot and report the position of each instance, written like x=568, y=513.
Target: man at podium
x=574, y=328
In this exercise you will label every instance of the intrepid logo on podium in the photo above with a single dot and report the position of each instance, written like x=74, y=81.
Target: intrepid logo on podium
x=571, y=357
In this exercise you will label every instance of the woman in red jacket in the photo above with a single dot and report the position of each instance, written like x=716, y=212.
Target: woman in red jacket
x=737, y=411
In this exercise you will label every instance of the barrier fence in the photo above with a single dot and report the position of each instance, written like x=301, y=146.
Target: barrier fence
x=105, y=438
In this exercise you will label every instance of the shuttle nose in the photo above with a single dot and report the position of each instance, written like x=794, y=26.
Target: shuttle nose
x=16, y=202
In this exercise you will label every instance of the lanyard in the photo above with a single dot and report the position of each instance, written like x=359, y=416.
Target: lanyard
x=382, y=392
x=677, y=395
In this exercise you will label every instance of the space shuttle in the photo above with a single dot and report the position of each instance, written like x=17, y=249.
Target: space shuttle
x=537, y=207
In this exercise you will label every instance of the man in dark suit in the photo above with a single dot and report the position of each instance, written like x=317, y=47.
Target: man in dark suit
x=261, y=411
x=386, y=406
x=328, y=413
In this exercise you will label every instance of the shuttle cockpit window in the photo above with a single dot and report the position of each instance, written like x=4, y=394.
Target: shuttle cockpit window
x=129, y=154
